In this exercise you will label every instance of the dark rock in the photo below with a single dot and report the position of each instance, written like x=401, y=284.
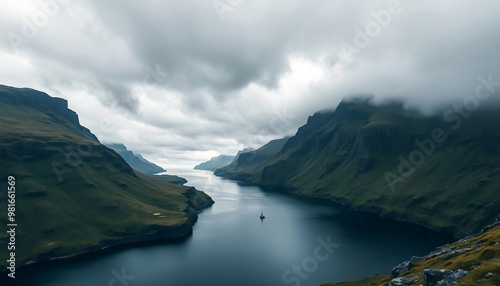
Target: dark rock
x=479, y=244
x=454, y=253
x=401, y=281
x=466, y=239
x=413, y=278
x=443, y=277
x=486, y=228
x=417, y=259
x=440, y=250
x=433, y=276
x=450, y=280
x=402, y=268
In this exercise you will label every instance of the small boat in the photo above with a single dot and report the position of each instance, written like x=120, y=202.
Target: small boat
x=262, y=215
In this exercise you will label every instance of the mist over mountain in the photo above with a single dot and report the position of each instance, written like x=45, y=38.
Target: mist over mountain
x=235, y=82
x=439, y=171
x=215, y=163
x=136, y=161
x=368, y=125
x=220, y=161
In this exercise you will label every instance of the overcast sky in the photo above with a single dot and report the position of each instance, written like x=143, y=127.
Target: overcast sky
x=182, y=81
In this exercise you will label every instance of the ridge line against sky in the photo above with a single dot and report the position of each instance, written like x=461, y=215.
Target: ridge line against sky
x=183, y=81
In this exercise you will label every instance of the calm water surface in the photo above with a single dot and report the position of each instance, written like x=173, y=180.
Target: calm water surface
x=301, y=242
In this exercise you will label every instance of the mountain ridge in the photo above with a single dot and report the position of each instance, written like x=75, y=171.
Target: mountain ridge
x=215, y=163
x=345, y=155
x=136, y=161
x=77, y=195
x=221, y=161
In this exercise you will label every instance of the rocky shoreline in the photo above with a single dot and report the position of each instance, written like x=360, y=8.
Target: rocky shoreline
x=443, y=277
x=472, y=260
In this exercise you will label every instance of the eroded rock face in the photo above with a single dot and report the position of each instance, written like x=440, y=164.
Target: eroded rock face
x=443, y=277
x=434, y=276
x=417, y=259
x=402, y=268
x=452, y=278
x=402, y=281
x=486, y=228
x=454, y=253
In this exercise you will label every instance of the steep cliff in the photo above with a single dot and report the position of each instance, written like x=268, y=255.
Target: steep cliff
x=393, y=162
x=73, y=194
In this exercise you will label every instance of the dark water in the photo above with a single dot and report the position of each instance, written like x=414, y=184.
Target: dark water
x=318, y=241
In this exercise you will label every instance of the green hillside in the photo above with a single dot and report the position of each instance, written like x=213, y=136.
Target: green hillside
x=73, y=194
x=352, y=155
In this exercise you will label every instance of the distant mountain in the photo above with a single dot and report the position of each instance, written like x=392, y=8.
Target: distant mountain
x=215, y=163
x=136, y=161
x=252, y=159
x=439, y=172
x=74, y=194
x=220, y=161
x=246, y=150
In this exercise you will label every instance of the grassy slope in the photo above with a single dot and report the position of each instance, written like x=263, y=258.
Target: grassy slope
x=344, y=155
x=101, y=202
x=486, y=258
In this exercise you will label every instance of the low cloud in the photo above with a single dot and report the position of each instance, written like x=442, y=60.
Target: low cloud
x=180, y=83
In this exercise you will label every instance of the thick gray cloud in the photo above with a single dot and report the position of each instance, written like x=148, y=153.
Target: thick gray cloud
x=182, y=81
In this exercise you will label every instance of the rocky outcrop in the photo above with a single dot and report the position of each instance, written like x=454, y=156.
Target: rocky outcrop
x=472, y=260
x=402, y=268
x=439, y=277
x=443, y=277
x=198, y=199
x=402, y=281
x=486, y=228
